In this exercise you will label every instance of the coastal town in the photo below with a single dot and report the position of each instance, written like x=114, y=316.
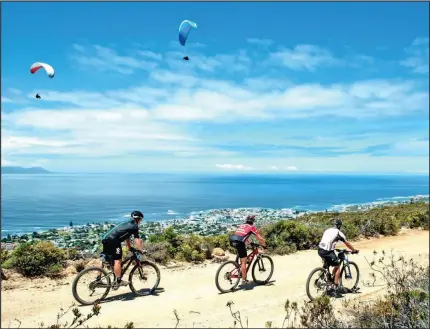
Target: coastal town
x=211, y=222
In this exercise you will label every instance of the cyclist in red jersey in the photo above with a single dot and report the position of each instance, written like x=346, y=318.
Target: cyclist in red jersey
x=239, y=238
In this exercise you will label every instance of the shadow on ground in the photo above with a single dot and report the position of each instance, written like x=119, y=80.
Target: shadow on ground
x=130, y=296
x=251, y=285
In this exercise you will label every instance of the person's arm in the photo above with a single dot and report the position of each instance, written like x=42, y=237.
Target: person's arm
x=128, y=244
x=346, y=242
x=350, y=246
x=139, y=244
x=137, y=240
x=259, y=237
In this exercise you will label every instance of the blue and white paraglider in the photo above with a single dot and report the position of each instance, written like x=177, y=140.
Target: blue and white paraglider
x=184, y=31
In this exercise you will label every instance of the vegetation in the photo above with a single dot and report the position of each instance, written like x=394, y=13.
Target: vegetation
x=283, y=237
x=37, y=259
x=405, y=305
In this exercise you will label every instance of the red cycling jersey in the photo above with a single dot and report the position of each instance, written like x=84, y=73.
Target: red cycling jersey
x=244, y=231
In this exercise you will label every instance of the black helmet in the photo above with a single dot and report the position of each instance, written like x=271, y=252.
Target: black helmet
x=250, y=219
x=337, y=222
x=136, y=215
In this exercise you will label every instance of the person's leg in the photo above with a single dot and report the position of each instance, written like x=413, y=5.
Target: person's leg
x=336, y=275
x=243, y=268
x=117, y=266
x=241, y=250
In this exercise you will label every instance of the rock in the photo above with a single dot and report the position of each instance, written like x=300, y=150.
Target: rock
x=218, y=252
x=69, y=270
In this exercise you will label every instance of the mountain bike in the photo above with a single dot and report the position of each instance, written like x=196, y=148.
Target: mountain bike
x=233, y=275
x=99, y=278
x=323, y=279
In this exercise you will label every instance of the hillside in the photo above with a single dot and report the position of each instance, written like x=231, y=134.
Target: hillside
x=192, y=293
x=23, y=170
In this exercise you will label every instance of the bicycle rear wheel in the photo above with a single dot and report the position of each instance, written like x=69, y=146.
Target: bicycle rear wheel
x=96, y=280
x=317, y=279
x=261, y=266
x=140, y=274
x=349, y=282
x=228, y=272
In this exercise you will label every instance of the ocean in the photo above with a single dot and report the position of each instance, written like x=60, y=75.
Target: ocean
x=40, y=202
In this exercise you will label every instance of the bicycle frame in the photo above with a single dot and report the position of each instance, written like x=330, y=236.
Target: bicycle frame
x=128, y=261
x=249, y=260
x=344, y=264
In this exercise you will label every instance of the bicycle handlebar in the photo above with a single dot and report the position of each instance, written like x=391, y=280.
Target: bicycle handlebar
x=346, y=251
x=134, y=250
x=256, y=245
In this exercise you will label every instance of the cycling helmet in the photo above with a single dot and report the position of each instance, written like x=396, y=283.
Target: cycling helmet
x=136, y=215
x=337, y=222
x=250, y=219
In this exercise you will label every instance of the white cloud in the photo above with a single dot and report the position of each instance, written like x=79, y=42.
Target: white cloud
x=273, y=168
x=163, y=115
x=107, y=59
x=304, y=57
x=6, y=100
x=150, y=54
x=418, y=56
x=233, y=166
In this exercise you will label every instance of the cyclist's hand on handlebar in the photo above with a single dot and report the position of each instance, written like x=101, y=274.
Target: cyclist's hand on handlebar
x=355, y=251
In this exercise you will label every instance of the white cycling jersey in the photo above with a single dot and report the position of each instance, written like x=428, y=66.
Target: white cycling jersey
x=330, y=237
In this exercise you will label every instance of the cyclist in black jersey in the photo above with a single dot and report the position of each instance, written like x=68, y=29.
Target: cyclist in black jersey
x=112, y=242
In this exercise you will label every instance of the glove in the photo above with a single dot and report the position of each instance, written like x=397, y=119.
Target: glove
x=355, y=251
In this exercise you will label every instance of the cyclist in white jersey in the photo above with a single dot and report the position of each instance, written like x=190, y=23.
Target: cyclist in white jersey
x=326, y=251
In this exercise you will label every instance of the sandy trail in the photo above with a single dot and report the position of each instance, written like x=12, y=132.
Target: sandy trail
x=193, y=294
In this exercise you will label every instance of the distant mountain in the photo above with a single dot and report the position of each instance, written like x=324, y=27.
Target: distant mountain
x=22, y=170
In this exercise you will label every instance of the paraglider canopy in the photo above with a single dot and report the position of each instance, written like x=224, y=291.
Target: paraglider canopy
x=184, y=31
x=38, y=65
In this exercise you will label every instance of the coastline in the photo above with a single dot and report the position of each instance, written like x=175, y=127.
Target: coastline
x=204, y=223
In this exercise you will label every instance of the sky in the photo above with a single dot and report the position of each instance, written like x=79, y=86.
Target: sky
x=269, y=87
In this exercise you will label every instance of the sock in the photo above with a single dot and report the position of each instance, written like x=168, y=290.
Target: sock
x=118, y=279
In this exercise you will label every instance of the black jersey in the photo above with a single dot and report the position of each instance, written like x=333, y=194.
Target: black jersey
x=122, y=232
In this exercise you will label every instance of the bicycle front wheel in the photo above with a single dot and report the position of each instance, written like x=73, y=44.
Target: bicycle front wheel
x=144, y=279
x=229, y=273
x=317, y=280
x=263, y=266
x=349, y=276
x=91, y=285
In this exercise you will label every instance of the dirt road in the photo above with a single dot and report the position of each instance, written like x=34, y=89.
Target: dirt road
x=193, y=294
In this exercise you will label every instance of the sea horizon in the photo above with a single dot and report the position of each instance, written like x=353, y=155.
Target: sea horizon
x=38, y=202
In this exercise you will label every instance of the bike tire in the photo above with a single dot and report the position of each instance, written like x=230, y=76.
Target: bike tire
x=254, y=267
x=308, y=281
x=218, y=273
x=157, y=282
x=80, y=274
x=358, y=274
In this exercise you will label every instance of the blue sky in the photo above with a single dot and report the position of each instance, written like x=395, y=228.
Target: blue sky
x=270, y=87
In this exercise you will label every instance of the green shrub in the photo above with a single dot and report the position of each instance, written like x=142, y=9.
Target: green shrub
x=158, y=252
x=40, y=258
x=420, y=220
x=72, y=254
x=4, y=255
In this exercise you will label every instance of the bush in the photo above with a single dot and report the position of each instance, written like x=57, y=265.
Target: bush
x=420, y=220
x=158, y=252
x=41, y=258
x=4, y=255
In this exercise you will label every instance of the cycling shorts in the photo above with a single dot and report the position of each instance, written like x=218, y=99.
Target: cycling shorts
x=112, y=249
x=329, y=256
x=240, y=247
